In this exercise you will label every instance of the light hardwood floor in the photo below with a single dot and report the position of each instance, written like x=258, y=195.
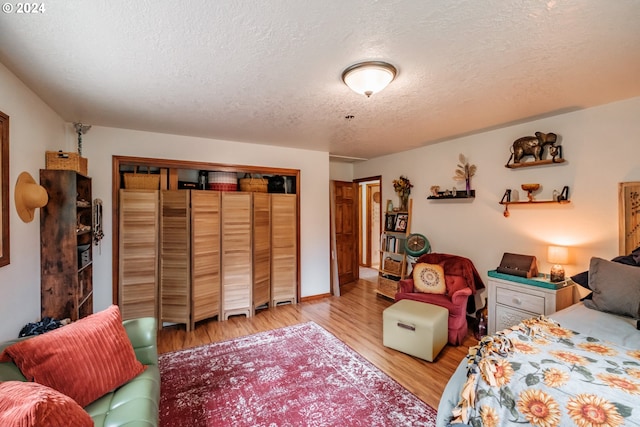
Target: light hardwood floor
x=355, y=318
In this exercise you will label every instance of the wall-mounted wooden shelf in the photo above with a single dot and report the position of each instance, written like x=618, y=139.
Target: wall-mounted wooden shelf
x=459, y=195
x=561, y=198
x=535, y=163
x=532, y=202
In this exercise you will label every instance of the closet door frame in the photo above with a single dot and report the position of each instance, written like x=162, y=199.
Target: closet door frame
x=172, y=167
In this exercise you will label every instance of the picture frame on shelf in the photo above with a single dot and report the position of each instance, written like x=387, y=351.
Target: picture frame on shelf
x=390, y=222
x=389, y=205
x=401, y=222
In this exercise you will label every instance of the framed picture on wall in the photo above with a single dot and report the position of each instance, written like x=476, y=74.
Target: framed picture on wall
x=401, y=222
x=629, y=216
x=4, y=189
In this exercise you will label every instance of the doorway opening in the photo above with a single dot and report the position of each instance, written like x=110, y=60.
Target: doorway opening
x=369, y=226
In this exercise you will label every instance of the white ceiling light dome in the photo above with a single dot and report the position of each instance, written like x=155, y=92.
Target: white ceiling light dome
x=369, y=77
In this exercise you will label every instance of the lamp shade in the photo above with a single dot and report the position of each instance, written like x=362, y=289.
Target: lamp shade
x=558, y=255
x=370, y=77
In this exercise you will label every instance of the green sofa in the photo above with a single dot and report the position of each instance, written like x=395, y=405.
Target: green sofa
x=135, y=404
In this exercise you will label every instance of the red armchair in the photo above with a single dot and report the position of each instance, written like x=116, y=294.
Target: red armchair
x=461, y=280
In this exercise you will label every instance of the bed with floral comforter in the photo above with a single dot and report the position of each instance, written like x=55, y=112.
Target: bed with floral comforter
x=582, y=370
x=543, y=374
x=579, y=368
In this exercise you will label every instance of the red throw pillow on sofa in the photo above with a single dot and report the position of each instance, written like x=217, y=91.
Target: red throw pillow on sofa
x=28, y=404
x=84, y=360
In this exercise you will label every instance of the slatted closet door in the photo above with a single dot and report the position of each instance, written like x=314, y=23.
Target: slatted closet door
x=138, y=253
x=261, y=249
x=205, y=250
x=284, y=274
x=175, y=257
x=236, y=254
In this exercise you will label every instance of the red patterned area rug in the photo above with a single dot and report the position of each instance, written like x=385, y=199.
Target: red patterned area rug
x=300, y=375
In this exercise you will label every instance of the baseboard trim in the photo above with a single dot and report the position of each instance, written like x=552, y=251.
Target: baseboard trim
x=314, y=297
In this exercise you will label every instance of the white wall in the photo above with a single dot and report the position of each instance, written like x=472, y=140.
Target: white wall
x=340, y=171
x=33, y=129
x=101, y=143
x=601, y=149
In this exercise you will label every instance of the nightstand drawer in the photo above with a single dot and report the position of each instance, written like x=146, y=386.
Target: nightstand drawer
x=520, y=301
x=506, y=317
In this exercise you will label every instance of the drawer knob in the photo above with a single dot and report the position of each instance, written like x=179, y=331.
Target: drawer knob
x=517, y=301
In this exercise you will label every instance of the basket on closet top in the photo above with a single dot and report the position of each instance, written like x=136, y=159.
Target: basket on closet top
x=255, y=185
x=141, y=181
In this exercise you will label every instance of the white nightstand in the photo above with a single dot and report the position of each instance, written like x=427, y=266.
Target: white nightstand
x=512, y=299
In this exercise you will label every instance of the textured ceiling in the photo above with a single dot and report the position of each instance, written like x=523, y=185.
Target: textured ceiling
x=269, y=72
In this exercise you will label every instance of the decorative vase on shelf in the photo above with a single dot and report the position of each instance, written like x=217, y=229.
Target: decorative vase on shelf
x=404, y=202
x=468, y=182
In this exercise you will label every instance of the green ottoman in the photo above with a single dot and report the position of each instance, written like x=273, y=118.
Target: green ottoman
x=415, y=328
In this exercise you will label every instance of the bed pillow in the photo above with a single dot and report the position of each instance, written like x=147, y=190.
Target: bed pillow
x=28, y=404
x=84, y=360
x=615, y=286
x=429, y=279
x=582, y=279
x=626, y=259
x=633, y=259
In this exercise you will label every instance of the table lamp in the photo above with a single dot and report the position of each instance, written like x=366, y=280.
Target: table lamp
x=557, y=255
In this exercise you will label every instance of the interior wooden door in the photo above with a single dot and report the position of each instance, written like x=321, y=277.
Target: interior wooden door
x=261, y=249
x=205, y=255
x=236, y=250
x=346, y=221
x=284, y=274
x=175, y=257
x=138, y=254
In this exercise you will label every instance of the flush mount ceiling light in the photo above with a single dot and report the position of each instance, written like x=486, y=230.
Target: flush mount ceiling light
x=369, y=77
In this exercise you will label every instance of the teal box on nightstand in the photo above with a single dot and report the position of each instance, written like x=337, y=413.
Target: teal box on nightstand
x=541, y=281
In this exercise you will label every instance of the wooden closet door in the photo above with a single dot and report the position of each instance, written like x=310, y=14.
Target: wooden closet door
x=261, y=249
x=236, y=254
x=138, y=254
x=284, y=274
x=205, y=254
x=175, y=257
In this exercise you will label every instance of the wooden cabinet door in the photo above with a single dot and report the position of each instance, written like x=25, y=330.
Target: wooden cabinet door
x=205, y=254
x=138, y=253
x=175, y=257
x=284, y=274
x=236, y=247
x=261, y=249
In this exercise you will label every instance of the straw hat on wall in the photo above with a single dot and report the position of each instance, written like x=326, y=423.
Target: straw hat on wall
x=29, y=196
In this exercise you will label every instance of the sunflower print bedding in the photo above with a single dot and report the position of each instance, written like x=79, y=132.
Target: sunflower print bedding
x=541, y=374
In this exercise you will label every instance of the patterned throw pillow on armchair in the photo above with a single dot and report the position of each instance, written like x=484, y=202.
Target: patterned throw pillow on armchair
x=429, y=278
